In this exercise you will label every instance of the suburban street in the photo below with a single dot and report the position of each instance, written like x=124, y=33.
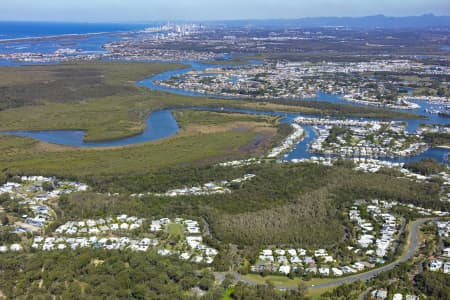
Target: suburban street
x=411, y=248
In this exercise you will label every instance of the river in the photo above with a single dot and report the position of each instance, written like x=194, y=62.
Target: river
x=161, y=124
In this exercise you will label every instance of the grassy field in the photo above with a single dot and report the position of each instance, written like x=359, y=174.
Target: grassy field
x=72, y=83
x=316, y=294
x=175, y=230
x=283, y=280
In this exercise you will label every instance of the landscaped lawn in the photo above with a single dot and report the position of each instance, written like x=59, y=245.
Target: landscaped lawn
x=175, y=230
x=283, y=280
x=316, y=293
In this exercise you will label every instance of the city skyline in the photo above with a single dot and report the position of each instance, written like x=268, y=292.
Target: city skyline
x=203, y=10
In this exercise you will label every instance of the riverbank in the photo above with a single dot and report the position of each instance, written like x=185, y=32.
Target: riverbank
x=197, y=143
x=115, y=117
x=404, y=104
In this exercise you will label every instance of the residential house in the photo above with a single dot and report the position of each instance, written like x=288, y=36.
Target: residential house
x=446, y=268
x=435, y=265
x=285, y=269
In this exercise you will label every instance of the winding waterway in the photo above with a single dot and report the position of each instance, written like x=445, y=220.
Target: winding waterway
x=301, y=149
x=161, y=124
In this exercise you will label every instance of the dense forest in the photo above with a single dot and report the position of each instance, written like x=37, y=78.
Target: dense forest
x=99, y=274
x=434, y=284
x=437, y=139
x=426, y=166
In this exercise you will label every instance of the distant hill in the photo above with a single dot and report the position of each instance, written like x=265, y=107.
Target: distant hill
x=377, y=21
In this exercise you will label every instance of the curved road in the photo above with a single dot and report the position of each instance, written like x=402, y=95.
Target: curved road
x=412, y=246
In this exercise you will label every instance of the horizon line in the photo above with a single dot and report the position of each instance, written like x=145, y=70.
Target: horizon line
x=220, y=20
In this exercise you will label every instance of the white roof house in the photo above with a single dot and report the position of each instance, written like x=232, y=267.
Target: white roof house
x=324, y=271
x=379, y=294
x=435, y=265
x=295, y=260
x=268, y=258
x=282, y=259
x=446, y=252
x=337, y=272
x=266, y=252
x=193, y=241
x=209, y=260
x=320, y=252
x=292, y=252
x=301, y=252
x=285, y=269
x=61, y=246
x=397, y=297
x=185, y=256
x=280, y=252
x=15, y=247
x=358, y=266
x=328, y=258
x=211, y=251
x=197, y=259
x=446, y=268
x=155, y=226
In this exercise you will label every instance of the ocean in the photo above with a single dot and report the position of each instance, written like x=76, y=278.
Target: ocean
x=15, y=30
x=89, y=44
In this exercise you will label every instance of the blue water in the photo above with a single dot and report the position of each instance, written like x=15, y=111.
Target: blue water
x=301, y=151
x=89, y=44
x=194, y=66
x=14, y=30
x=412, y=124
x=159, y=124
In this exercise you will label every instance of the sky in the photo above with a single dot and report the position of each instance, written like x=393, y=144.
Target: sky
x=159, y=10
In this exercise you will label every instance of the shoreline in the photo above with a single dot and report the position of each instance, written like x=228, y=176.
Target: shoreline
x=408, y=105
x=61, y=36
